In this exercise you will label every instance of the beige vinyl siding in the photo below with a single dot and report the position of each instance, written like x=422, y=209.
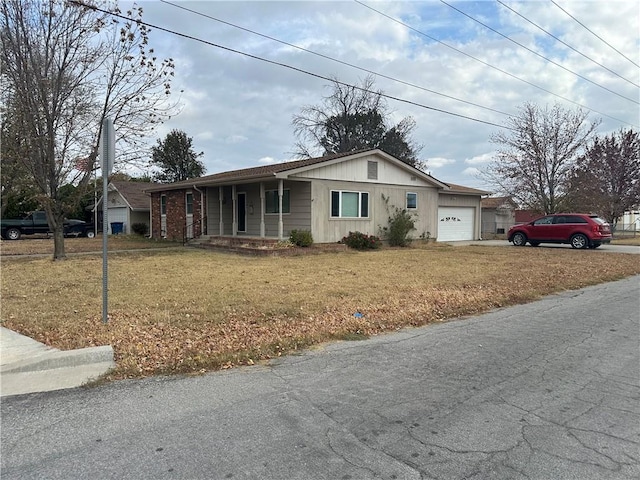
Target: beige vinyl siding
x=299, y=217
x=213, y=210
x=356, y=170
x=326, y=229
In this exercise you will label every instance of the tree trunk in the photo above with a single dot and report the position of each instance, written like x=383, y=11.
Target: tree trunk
x=56, y=224
x=58, y=243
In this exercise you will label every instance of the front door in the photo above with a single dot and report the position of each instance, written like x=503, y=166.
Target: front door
x=242, y=212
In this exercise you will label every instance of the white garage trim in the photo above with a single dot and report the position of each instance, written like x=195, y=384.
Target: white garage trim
x=456, y=223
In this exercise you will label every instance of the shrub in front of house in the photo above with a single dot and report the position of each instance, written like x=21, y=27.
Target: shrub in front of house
x=401, y=223
x=301, y=238
x=361, y=241
x=140, y=228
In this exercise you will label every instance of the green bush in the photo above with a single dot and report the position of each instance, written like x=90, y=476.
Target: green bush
x=361, y=241
x=401, y=223
x=140, y=228
x=301, y=238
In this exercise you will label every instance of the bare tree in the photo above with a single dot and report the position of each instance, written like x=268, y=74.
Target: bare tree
x=67, y=66
x=353, y=118
x=606, y=179
x=537, y=153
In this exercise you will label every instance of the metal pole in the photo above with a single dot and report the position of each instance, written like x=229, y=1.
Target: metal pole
x=107, y=152
x=105, y=220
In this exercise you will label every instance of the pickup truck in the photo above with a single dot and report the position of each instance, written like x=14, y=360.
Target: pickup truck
x=36, y=222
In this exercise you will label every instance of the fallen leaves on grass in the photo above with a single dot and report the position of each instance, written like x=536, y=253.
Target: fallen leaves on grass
x=192, y=311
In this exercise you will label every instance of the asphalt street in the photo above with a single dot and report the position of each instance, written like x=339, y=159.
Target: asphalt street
x=548, y=390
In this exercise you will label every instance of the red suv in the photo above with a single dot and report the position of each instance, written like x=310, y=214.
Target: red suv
x=578, y=229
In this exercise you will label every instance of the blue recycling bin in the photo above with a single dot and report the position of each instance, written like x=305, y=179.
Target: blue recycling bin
x=117, y=228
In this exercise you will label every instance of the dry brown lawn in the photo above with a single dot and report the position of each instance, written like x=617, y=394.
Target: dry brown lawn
x=43, y=245
x=190, y=310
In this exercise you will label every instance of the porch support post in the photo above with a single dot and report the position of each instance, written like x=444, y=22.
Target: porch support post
x=234, y=229
x=262, y=229
x=280, y=194
x=220, y=200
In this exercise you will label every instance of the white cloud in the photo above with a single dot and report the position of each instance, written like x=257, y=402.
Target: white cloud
x=439, y=162
x=268, y=160
x=239, y=109
x=482, y=159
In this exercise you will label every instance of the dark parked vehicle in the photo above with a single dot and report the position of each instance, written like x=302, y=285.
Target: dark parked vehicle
x=36, y=222
x=578, y=229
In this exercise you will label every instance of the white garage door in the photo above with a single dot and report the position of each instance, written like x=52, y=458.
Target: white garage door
x=118, y=214
x=455, y=223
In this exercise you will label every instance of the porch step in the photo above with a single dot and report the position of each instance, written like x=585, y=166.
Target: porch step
x=260, y=246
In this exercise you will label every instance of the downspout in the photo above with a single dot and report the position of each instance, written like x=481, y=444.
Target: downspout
x=202, y=207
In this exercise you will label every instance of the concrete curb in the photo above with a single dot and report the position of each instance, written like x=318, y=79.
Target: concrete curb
x=61, y=359
x=28, y=366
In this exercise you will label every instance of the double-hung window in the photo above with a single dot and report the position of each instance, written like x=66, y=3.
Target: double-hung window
x=346, y=204
x=189, y=202
x=163, y=204
x=273, y=203
x=412, y=201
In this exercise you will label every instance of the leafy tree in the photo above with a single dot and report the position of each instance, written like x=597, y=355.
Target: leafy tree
x=354, y=118
x=606, y=179
x=537, y=153
x=66, y=67
x=176, y=158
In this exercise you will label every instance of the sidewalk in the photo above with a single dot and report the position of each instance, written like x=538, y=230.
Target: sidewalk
x=28, y=366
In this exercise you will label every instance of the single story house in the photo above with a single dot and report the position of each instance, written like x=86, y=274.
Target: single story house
x=498, y=215
x=329, y=196
x=127, y=203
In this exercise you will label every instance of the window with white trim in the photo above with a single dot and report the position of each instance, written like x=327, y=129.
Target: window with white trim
x=273, y=203
x=346, y=204
x=163, y=204
x=189, y=203
x=412, y=201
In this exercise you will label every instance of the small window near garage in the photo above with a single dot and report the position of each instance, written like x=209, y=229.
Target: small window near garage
x=273, y=204
x=372, y=170
x=412, y=201
x=189, y=203
x=349, y=204
x=163, y=204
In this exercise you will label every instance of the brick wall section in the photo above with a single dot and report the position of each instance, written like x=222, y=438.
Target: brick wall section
x=176, y=214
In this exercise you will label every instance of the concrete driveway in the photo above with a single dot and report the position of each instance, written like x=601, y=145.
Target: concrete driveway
x=504, y=243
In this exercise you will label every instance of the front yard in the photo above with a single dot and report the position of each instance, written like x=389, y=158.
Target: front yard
x=186, y=310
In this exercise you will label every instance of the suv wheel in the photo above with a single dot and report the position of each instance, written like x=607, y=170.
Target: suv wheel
x=579, y=241
x=519, y=239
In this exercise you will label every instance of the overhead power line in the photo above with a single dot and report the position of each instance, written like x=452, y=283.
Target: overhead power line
x=539, y=54
x=327, y=57
x=490, y=65
x=280, y=64
x=567, y=45
x=595, y=34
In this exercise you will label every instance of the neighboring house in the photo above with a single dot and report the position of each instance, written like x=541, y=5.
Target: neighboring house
x=329, y=196
x=498, y=215
x=630, y=221
x=526, y=216
x=127, y=203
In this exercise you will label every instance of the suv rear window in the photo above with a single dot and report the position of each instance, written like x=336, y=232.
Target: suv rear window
x=598, y=220
x=575, y=219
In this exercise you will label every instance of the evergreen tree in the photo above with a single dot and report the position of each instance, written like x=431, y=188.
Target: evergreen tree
x=176, y=159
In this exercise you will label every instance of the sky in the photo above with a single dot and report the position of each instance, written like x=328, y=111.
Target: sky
x=439, y=64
